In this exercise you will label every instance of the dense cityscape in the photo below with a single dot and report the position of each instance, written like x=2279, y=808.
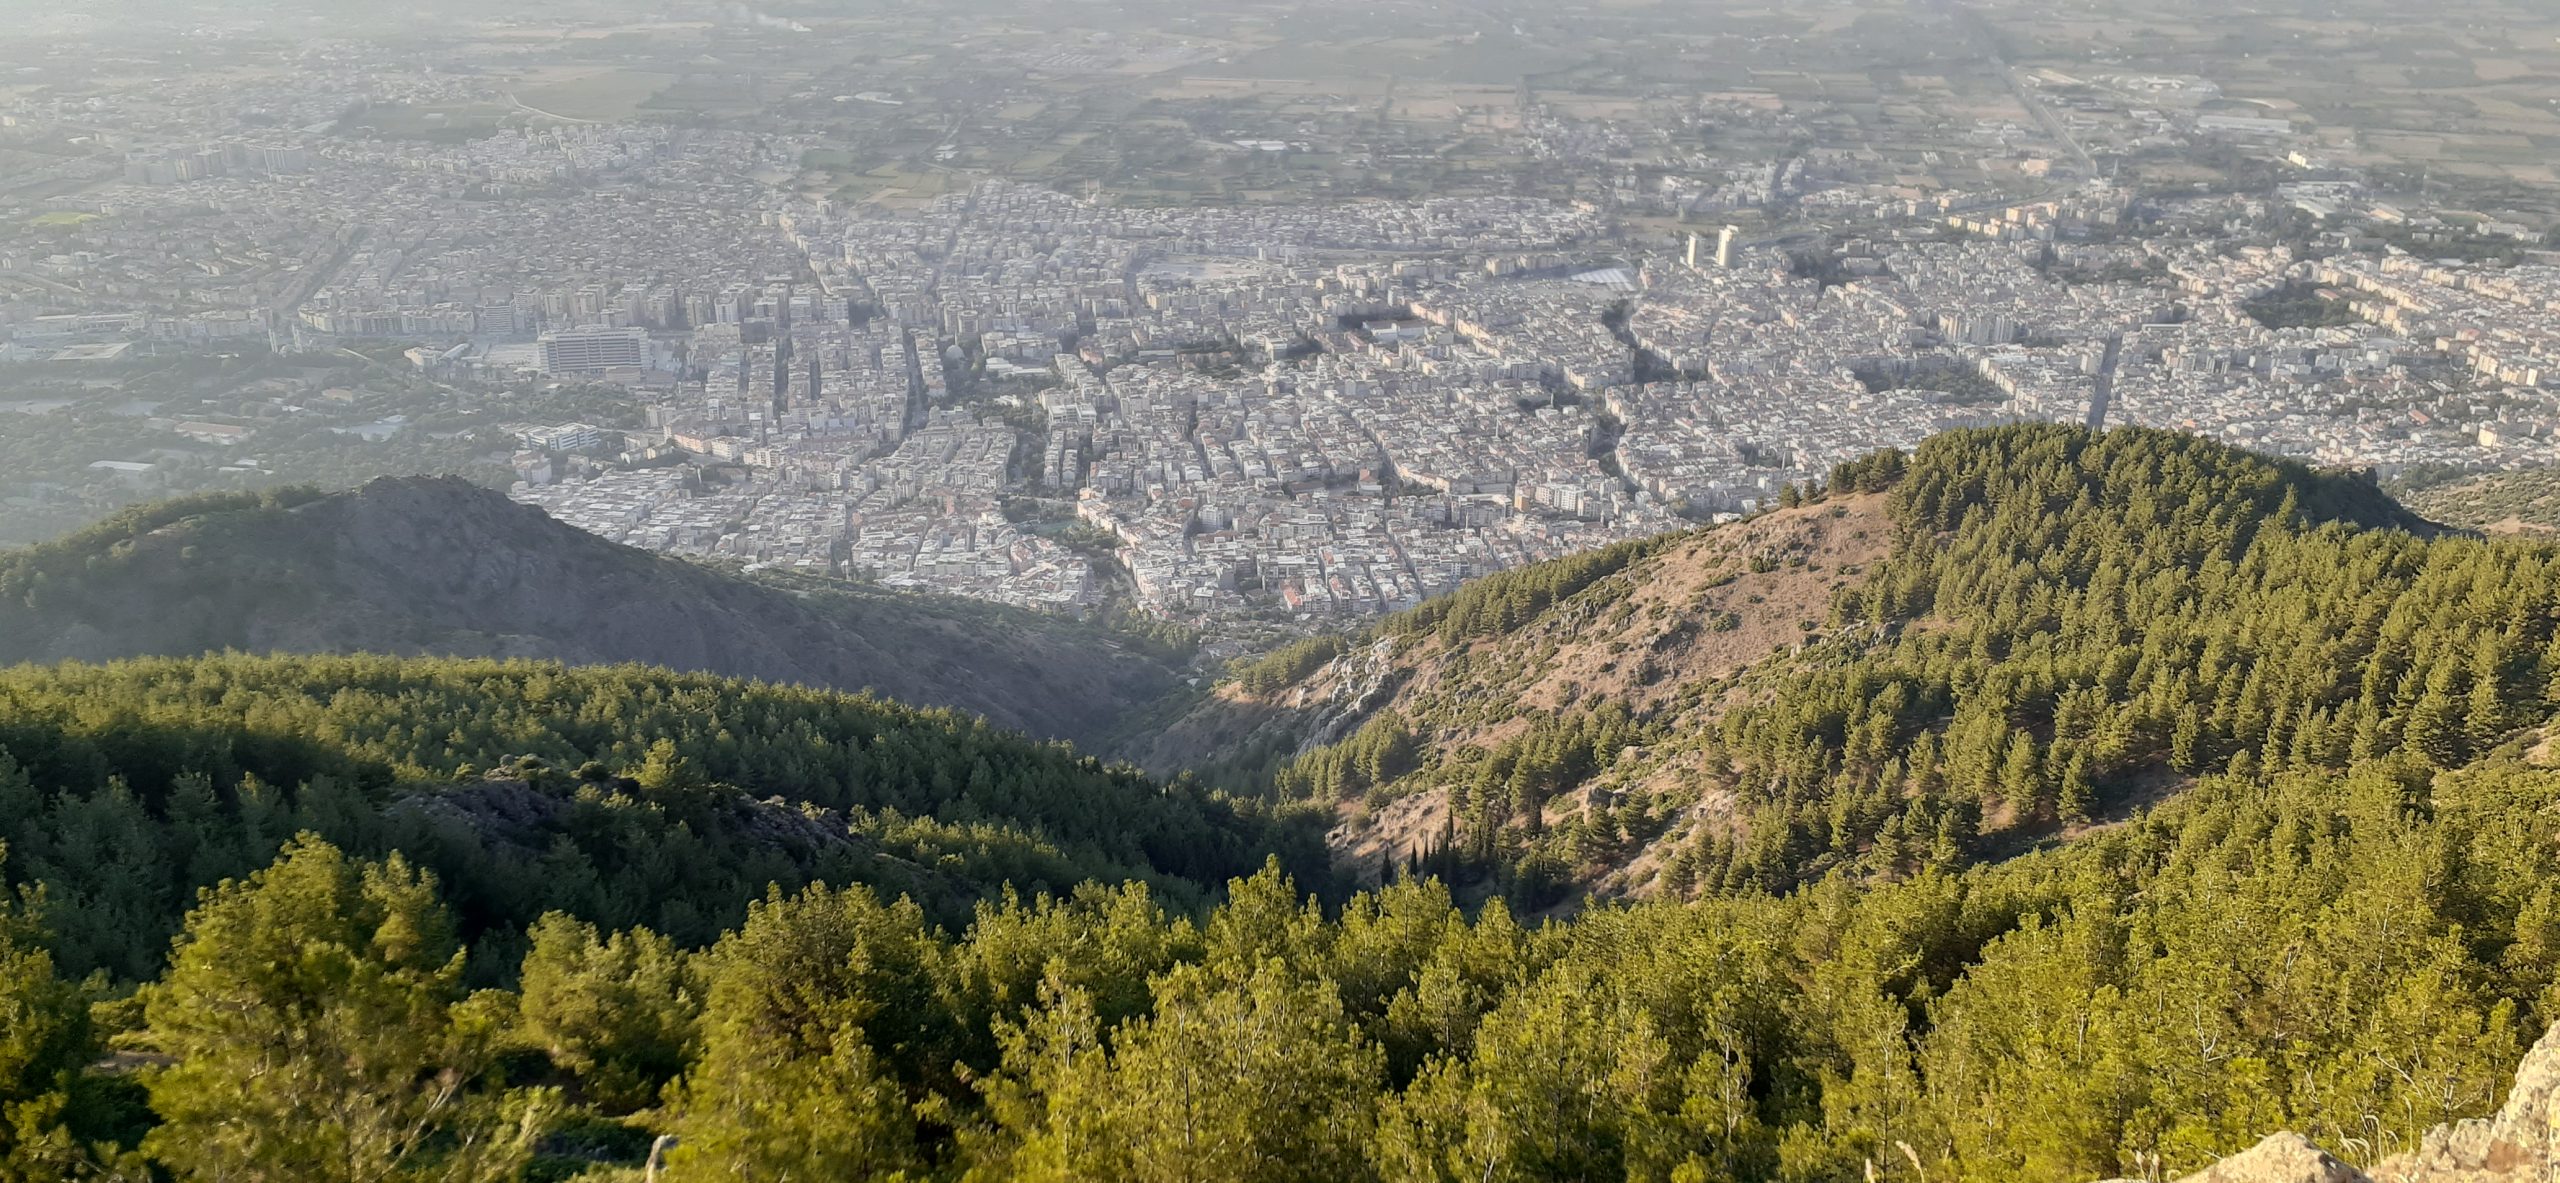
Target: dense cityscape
x=1317, y=401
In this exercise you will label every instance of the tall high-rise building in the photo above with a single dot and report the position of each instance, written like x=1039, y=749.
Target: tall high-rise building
x=1724, y=247
x=584, y=350
x=1693, y=250
x=781, y=378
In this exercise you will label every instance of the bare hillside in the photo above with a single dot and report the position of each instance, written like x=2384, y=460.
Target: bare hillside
x=1662, y=641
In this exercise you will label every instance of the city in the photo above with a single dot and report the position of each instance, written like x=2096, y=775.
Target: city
x=1321, y=397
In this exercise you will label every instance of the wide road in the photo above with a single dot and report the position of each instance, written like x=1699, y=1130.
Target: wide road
x=1979, y=30
x=2103, y=392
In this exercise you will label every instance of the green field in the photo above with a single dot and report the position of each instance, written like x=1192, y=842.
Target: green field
x=442, y=124
x=1363, y=65
x=605, y=96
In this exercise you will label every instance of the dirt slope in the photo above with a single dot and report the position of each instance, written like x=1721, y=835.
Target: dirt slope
x=1664, y=639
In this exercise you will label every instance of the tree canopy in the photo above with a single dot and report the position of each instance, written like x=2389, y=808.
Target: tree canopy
x=2149, y=798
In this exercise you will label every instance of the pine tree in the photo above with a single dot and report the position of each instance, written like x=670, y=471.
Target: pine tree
x=2434, y=729
x=2186, y=741
x=2022, y=780
x=2078, y=793
x=825, y=1023
x=1262, y=1081
x=667, y=769
x=45, y=1040
x=615, y=1011
x=317, y=1031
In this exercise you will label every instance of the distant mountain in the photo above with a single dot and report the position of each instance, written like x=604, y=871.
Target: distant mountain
x=441, y=566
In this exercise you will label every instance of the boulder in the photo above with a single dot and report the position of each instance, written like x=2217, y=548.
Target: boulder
x=2520, y=1143
x=2281, y=1158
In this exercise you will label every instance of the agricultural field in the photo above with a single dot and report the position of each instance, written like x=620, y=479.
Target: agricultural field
x=441, y=124
x=2474, y=103
x=1477, y=61
x=603, y=96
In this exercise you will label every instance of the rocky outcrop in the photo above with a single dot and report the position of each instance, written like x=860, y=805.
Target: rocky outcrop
x=2281, y=1158
x=517, y=813
x=2518, y=1144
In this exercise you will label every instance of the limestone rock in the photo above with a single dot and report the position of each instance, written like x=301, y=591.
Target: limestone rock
x=2520, y=1143
x=2281, y=1158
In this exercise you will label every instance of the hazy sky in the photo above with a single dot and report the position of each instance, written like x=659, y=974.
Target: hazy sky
x=60, y=18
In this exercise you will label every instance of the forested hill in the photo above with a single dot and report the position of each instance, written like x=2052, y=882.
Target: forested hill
x=440, y=566
x=2357, y=957
x=2007, y=635
x=2039, y=805
x=621, y=795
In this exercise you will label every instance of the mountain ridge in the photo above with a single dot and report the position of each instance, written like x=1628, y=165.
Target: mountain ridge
x=438, y=566
x=1943, y=656
x=1696, y=606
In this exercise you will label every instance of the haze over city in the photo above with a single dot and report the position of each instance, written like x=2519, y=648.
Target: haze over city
x=1262, y=315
